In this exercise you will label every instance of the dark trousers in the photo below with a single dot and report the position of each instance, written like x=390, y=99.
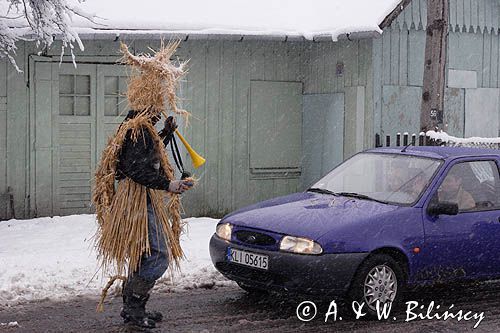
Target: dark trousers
x=153, y=266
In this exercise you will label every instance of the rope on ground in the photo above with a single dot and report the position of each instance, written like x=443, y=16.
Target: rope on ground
x=100, y=306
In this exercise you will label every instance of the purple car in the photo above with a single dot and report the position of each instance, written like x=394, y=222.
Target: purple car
x=384, y=219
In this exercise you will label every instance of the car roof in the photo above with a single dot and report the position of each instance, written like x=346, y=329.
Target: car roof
x=439, y=152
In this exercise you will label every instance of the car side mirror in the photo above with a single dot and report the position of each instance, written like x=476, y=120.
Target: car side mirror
x=442, y=208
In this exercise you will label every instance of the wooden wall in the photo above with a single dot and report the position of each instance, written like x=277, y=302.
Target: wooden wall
x=4, y=198
x=472, y=70
x=380, y=79
x=216, y=91
x=465, y=15
x=14, y=170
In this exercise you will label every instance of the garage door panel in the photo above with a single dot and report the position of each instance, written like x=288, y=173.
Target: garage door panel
x=76, y=110
x=43, y=182
x=84, y=206
x=74, y=133
x=75, y=197
x=70, y=141
x=73, y=169
x=73, y=210
x=70, y=183
x=83, y=176
x=74, y=190
x=80, y=129
x=70, y=154
x=111, y=102
x=70, y=162
x=74, y=148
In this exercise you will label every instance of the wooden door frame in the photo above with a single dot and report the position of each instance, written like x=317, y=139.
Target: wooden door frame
x=31, y=157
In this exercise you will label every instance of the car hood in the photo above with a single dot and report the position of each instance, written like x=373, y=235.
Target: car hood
x=307, y=214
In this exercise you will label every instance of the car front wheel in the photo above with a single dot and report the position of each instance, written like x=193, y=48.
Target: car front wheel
x=379, y=279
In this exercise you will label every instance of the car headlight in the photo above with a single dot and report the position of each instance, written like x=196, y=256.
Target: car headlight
x=224, y=231
x=300, y=245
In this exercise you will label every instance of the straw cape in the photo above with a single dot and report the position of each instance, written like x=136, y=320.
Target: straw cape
x=122, y=236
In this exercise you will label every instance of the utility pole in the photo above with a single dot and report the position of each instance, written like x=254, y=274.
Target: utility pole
x=431, y=115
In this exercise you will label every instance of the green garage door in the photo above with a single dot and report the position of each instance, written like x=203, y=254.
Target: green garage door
x=75, y=110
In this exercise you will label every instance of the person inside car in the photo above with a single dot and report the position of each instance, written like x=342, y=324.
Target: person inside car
x=397, y=172
x=416, y=185
x=452, y=190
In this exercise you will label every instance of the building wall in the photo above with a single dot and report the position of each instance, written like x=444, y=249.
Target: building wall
x=217, y=91
x=465, y=15
x=369, y=86
x=14, y=198
x=322, y=77
x=4, y=198
x=472, y=91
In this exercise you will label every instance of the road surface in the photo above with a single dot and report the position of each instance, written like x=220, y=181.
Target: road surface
x=229, y=309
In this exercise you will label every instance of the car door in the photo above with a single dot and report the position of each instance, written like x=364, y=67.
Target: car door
x=464, y=245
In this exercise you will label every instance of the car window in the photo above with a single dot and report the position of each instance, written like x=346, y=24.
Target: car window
x=392, y=178
x=474, y=186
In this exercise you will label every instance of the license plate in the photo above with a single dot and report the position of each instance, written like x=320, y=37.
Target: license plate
x=247, y=258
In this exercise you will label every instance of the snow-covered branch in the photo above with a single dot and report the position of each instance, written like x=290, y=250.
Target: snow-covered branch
x=42, y=20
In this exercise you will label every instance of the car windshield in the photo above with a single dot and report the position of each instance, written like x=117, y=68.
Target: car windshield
x=390, y=178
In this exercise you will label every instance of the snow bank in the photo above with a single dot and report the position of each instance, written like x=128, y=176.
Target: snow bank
x=445, y=137
x=54, y=258
x=258, y=17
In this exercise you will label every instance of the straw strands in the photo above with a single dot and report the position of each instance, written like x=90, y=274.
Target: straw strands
x=122, y=236
x=155, y=79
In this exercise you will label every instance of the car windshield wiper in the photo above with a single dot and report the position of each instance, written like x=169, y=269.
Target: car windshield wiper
x=359, y=196
x=321, y=190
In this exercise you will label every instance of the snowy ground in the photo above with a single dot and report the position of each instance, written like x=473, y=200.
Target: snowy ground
x=53, y=258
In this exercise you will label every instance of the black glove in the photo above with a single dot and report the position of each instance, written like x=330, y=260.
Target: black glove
x=168, y=130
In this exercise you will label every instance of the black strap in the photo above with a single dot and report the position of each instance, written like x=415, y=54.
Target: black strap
x=178, y=158
x=176, y=154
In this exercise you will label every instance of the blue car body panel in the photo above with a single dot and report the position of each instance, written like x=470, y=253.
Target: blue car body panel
x=446, y=247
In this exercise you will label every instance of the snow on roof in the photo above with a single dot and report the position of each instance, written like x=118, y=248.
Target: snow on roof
x=291, y=18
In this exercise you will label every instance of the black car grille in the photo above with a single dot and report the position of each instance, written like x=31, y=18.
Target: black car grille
x=249, y=273
x=254, y=238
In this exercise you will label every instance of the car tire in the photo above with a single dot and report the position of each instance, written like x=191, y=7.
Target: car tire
x=366, y=288
x=251, y=290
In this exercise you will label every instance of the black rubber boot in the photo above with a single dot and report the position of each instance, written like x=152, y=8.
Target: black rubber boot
x=154, y=315
x=135, y=296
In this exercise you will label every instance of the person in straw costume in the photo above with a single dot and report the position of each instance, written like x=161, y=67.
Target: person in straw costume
x=139, y=219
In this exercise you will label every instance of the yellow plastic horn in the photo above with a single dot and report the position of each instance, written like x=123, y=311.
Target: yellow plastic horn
x=197, y=159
